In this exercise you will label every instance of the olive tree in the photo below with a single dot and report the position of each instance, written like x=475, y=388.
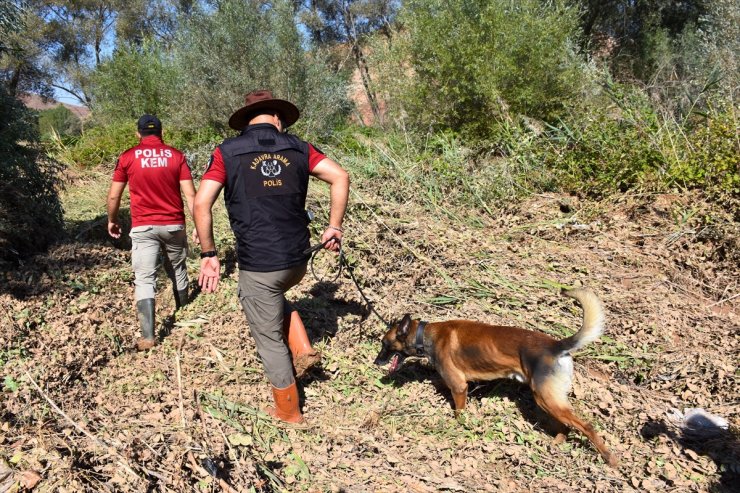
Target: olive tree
x=242, y=45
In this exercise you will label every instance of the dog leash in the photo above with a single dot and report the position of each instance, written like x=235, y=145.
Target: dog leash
x=314, y=250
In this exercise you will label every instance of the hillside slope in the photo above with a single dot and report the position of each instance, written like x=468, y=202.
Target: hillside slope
x=162, y=419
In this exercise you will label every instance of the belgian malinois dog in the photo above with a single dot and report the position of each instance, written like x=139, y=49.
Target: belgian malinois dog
x=463, y=351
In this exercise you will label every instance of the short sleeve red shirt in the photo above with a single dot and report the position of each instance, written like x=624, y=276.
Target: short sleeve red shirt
x=216, y=170
x=153, y=171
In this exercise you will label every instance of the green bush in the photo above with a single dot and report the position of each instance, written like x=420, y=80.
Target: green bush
x=684, y=53
x=30, y=211
x=504, y=78
x=714, y=160
x=135, y=80
x=60, y=121
x=629, y=144
x=616, y=143
x=100, y=144
x=474, y=64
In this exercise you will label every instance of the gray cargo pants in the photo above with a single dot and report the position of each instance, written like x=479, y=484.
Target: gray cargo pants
x=147, y=245
x=262, y=296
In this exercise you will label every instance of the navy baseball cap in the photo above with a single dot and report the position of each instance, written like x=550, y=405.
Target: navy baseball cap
x=149, y=122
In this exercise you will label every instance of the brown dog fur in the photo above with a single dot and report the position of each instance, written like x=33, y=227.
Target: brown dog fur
x=463, y=351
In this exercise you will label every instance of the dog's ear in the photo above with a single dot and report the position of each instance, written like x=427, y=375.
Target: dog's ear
x=403, y=326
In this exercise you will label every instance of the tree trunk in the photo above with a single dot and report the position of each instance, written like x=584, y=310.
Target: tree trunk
x=15, y=79
x=366, y=81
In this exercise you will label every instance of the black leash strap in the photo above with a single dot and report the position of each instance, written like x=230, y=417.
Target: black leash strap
x=342, y=263
x=316, y=249
x=319, y=246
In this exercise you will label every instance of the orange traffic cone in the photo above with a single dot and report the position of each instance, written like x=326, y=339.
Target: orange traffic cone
x=304, y=356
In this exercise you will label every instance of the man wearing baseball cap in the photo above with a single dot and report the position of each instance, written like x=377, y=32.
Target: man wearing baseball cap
x=264, y=173
x=158, y=175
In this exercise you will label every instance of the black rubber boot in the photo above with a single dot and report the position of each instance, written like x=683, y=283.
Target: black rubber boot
x=145, y=312
x=181, y=298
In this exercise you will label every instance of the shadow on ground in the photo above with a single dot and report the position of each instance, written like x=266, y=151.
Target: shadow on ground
x=96, y=231
x=520, y=394
x=720, y=445
x=85, y=246
x=321, y=312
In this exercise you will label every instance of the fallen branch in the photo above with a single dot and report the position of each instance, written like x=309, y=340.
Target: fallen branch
x=123, y=462
x=179, y=387
x=722, y=301
x=79, y=427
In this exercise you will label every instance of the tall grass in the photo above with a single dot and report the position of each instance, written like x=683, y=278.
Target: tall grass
x=442, y=170
x=620, y=146
x=631, y=144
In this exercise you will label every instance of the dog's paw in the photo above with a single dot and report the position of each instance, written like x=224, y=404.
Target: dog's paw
x=611, y=459
x=560, y=438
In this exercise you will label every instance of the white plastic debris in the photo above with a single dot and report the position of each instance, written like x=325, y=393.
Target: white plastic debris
x=697, y=417
x=699, y=421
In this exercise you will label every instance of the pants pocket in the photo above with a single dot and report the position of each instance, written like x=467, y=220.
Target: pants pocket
x=140, y=229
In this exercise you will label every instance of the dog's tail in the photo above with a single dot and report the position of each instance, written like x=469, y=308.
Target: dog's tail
x=593, y=321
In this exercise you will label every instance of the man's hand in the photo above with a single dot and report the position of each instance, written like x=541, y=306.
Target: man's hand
x=114, y=201
x=114, y=229
x=330, y=233
x=210, y=272
x=196, y=238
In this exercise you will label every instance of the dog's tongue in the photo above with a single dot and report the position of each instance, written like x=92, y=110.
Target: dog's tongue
x=394, y=364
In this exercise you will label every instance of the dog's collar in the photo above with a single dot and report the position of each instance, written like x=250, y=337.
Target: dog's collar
x=419, y=342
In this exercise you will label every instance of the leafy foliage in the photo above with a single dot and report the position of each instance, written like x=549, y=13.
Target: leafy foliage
x=714, y=163
x=476, y=63
x=11, y=22
x=59, y=120
x=630, y=144
x=506, y=80
x=99, y=145
x=329, y=21
x=75, y=36
x=137, y=79
x=30, y=211
x=21, y=53
x=675, y=49
x=258, y=46
x=612, y=149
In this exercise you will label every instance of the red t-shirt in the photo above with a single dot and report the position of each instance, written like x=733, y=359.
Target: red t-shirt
x=153, y=171
x=216, y=170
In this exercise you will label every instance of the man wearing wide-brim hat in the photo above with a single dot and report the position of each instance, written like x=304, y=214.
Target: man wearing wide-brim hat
x=264, y=173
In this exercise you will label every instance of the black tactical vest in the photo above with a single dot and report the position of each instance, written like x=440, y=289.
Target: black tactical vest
x=265, y=194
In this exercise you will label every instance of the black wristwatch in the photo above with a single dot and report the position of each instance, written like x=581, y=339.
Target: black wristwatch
x=208, y=254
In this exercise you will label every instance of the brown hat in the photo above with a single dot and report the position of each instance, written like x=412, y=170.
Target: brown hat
x=257, y=101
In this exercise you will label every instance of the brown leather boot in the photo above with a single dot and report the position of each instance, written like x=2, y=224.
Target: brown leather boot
x=286, y=404
x=304, y=356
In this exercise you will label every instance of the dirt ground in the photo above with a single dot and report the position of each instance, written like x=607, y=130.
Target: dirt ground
x=82, y=411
